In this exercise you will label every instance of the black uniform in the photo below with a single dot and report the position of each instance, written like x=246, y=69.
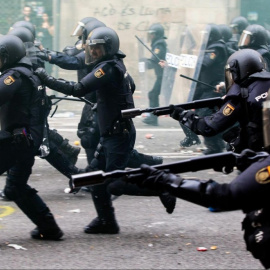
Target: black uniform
x=265, y=53
x=212, y=72
x=159, y=47
x=22, y=114
x=241, y=105
x=114, y=88
x=249, y=192
x=88, y=128
x=61, y=156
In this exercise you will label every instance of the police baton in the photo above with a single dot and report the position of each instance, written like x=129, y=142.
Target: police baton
x=206, y=84
x=148, y=48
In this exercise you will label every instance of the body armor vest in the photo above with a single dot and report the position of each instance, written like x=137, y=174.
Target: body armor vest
x=34, y=112
x=114, y=97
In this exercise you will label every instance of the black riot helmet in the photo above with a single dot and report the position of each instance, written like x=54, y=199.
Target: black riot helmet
x=254, y=36
x=23, y=33
x=241, y=65
x=225, y=31
x=12, y=50
x=103, y=39
x=25, y=24
x=90, y=26
x=239, y=24
x=27, y=38
x=85, y=26
x=155, y=32
x=214, y=33
x=80, y=26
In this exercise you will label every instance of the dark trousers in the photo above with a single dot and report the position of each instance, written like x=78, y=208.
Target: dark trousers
x=153, y=95
x=18, y=161
x=114, y=155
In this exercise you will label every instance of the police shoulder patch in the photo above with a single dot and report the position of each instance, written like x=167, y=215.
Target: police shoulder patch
x=9, y=80
x=263, y=175
x=156, y=51
x=99, y=73
x=228, y=110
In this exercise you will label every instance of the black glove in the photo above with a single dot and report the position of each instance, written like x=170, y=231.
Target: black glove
x=176, y=112
x=42, y=74
x=256, y=226
x=154, y=179
x=44, y=55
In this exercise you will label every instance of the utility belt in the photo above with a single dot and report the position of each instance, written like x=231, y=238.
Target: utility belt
x=122, y=126
x=237, y=140
x=18, y=136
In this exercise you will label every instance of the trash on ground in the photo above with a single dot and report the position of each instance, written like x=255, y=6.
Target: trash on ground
x=201, y=248
x=149, y=136
x=16, y=246
x=75, y=211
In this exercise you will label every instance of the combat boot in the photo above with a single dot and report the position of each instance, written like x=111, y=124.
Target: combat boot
x=71, y=152
x=137, y=159
x=189, y=141
x=105, y=222
x=151, y=120
x=214, y=145
x=99, y=225
x=47, y=229
x=168, y=201
x=3, y=196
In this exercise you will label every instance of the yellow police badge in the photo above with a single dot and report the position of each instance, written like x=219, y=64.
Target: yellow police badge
x=263, y=175
x=9, y=80
x=228, y=110
x=99, y=73
x=156, y=51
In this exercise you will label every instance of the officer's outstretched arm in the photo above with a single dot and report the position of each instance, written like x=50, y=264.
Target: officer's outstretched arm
x=192, y=121
x=204, y=193
x=60, y=85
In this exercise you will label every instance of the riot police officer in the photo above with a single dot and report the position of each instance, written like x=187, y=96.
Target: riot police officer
x=211, y=72
x=88, y=129
x=159, y=47
x=255, y=37
x=238, y=25
x=226, y=34
x=114, y=87
x=249, y=192
x=247, y=84
x=21, y=134
x=59, y=153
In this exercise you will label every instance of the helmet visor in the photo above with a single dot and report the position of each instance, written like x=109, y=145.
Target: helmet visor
x=245, y=39
x=78, y=31
x=151, y=35
x=228, y=78
x=94, y=52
